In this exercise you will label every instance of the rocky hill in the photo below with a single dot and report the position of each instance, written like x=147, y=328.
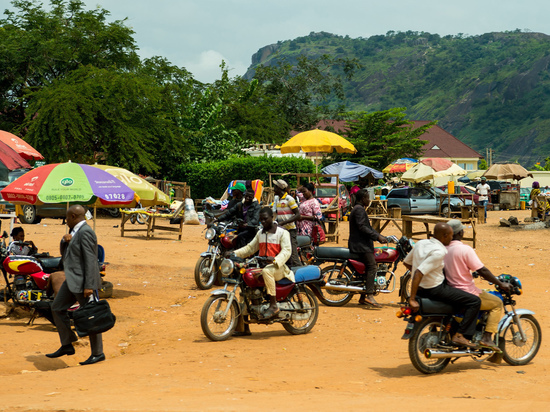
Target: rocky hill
x=490, y=91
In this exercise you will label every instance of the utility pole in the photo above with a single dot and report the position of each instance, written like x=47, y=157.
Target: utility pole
x=489, y=156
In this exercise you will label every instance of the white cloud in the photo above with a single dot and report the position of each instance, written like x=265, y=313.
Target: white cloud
x=207, y=67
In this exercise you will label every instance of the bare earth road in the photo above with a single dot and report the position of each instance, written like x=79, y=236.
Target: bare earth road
x=159, y=360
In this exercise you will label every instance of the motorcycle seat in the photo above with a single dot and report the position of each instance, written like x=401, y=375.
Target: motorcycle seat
x=303, y=241
x=429, y=306
x=335, y=253
x=51, y=263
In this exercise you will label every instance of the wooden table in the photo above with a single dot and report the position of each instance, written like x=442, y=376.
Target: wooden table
x=379, y=223
x=378, y=207
x=461, y=196
x=427, y=220
x=151, y=224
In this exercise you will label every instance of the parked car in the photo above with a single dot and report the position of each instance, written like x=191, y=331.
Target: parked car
x=29, y=213
x=326, y=192
x=422, y=200
x=468, y=192
x=524, y=194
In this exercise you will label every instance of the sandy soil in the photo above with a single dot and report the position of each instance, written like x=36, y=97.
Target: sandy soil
x=159, y=360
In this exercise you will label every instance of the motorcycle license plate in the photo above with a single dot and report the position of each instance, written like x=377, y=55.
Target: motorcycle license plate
x=408, y=331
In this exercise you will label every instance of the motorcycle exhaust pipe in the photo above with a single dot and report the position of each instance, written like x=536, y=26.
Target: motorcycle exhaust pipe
x=342, y=288
x=437, y=354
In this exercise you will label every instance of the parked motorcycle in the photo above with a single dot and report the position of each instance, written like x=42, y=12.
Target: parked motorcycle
x=26, y=279
x=343, y=272
x=305, y=249
x=298, y=306
x=430, y=329
x=221, y=239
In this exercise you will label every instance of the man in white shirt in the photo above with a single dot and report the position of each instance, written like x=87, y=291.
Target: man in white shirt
x=425, y=262
x=483, y=190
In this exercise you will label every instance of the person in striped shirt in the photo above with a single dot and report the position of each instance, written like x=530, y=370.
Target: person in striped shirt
x=288, y=214
x=272, y=242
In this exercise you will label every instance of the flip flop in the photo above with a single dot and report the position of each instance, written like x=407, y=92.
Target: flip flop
x=368, y=302
x=465, y=344
x=493, y=347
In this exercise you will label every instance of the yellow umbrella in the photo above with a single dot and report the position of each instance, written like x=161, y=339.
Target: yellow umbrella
x=317, y=141
x=149, y=195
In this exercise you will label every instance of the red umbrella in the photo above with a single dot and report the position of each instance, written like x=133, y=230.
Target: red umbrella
x=436, y=163
x=25, y=150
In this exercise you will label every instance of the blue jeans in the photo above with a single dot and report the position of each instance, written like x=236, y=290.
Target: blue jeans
x=484, y=203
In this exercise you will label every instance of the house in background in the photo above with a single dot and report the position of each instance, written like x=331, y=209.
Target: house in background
x=444, y=145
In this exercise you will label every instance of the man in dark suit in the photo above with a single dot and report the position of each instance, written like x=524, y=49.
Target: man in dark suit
x=361, y=238
x=79, y=251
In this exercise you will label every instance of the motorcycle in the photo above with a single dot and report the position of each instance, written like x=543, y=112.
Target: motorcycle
x=343, y=272
x=430, y=329
x=221, y=239
x=26, y=279
x=298, y=307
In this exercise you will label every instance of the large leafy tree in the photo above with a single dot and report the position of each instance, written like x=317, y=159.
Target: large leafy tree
x=102, y=115
x=308, y=89
x=382, y=137
x=39, y=46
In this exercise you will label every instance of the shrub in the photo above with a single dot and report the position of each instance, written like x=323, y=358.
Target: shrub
x=211, y=179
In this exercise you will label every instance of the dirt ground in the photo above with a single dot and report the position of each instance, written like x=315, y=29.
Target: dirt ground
x=159, y=360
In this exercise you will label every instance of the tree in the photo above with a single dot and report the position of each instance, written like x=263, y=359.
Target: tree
x=39, y=47
x=308, y=89
x=382, y=137
x=546, y=166
x=101, y=114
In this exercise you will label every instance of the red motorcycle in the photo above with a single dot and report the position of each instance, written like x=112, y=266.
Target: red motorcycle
x=343, y=272
x=244, y=295
x=26, y=279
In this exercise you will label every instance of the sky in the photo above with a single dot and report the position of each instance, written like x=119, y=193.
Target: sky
x=199, y=34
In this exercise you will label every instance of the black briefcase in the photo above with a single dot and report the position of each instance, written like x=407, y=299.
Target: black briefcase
x=94, y=317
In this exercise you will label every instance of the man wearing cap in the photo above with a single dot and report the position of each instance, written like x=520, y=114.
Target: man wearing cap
x=425, y=262
x=460, y=261
x=287, y=215
x=483, y=190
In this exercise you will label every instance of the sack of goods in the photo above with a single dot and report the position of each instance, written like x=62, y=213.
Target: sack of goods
x=93, y=318
x=191, y=217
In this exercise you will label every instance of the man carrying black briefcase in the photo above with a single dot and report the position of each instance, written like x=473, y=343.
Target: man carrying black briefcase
x=79, y=251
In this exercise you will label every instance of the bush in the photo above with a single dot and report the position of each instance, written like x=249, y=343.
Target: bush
x=211, y=179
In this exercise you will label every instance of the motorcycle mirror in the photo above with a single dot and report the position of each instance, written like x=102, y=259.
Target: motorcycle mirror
x=5, y=235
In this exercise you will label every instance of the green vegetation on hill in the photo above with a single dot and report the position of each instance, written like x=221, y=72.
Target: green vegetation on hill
x=490, y=91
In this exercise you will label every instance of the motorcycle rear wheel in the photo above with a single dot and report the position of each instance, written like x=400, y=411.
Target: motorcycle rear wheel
x=332, y=276
x=306, y=301
x=427, y=334
x=204, y=277
x=516, y=352
x=214, y=324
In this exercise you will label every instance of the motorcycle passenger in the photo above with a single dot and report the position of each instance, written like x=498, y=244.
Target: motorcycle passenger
x=248, y=210
x=272, y=242
x=460, y=261
x=361, y=238
x=288, y=214
x=17, y=247
x=426, y=262
x=237, y=192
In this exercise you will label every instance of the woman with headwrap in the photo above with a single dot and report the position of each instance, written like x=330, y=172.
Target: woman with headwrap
x=541, y=207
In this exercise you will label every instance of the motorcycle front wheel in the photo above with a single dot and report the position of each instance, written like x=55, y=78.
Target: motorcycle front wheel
x=427, y=334
x=332, y=276
x=517, y=352
x=305, y=318
x=204, y=277
x=215, y=324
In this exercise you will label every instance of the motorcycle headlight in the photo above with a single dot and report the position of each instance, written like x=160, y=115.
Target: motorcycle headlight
x=210, y=233
x=226, y=268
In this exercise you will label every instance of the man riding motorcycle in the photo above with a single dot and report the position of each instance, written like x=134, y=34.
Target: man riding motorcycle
x=273, y=242
x=460, y=261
